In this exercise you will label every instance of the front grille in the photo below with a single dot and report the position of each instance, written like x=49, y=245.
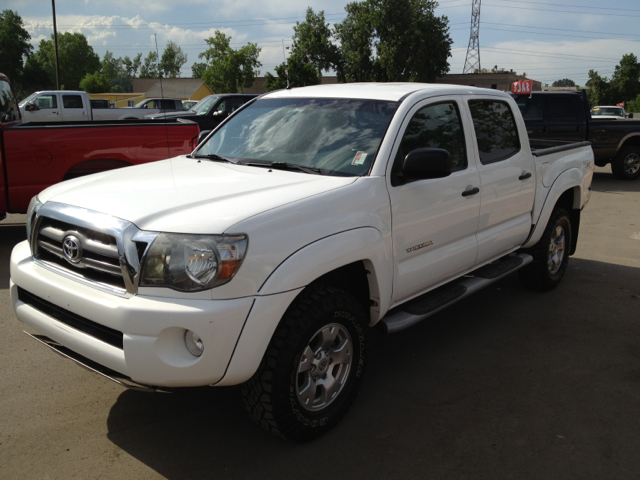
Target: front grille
x=91, y=247
x=84, y=325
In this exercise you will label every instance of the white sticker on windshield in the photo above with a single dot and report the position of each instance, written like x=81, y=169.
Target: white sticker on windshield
x=359, y=158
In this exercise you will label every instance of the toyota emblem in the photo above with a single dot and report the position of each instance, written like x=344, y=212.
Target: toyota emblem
x=72, y=249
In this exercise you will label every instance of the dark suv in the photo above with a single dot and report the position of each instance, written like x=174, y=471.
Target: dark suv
x=210, y=111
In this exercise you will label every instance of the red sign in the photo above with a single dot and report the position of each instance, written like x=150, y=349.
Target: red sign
x=620, y=104
x=524, y=86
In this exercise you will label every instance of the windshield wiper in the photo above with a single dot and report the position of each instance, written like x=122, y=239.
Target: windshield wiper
x=285, y=166
x=214, y=156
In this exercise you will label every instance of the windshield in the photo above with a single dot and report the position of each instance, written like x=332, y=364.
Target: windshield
x=338, y=136
x=22, y=103
x=203, y=107
x=611, y=111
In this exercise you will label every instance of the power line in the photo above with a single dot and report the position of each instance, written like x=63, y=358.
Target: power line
x=562, y=11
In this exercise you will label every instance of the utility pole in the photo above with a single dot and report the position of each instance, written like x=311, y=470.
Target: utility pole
x=55, y=42
x=472, y=62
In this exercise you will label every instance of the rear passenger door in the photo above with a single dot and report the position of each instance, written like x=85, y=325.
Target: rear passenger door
x=434, y=220
x=73, y=109
x=507, y=186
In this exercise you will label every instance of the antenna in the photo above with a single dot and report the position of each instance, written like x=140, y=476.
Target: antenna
x=472, y=62
x=166, y=128
x=286, y=67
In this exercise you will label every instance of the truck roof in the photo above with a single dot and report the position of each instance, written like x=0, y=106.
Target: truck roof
x=379, y=91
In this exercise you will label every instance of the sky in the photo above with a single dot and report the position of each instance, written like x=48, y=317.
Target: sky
x=546, y=39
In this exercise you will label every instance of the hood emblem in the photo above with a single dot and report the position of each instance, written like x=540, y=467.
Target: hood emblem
x=72, y=249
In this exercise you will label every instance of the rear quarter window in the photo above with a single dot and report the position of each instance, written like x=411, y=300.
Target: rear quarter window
x=8, y=107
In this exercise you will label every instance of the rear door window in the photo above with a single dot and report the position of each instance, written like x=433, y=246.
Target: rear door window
x=72, y=101
x=496, y=131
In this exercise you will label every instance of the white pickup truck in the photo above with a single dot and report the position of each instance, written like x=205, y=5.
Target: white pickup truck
x=305, y=219
x=75, y=106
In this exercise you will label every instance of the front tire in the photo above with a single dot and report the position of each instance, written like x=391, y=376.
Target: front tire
x=626, y=164
x=313, y=367
x=550, y=254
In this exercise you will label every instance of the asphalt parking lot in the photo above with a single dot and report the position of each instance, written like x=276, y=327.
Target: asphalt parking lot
x=507, y=384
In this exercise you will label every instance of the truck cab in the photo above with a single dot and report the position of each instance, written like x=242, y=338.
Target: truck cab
x=56, y=106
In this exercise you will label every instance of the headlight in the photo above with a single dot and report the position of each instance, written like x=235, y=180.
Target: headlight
x=191, y=263
x=34, y=206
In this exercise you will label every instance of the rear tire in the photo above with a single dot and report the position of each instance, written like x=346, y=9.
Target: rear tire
x=626, y=164
x=313, y=366
x=550, y=254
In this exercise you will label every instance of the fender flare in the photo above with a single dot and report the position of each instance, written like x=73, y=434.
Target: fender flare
x=281, y=288
x=567, y=180
x=366, y=244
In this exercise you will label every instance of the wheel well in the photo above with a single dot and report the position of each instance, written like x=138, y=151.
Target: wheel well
x=94, y=166
x=631, y=141
x=568, y=201
x=352, y=278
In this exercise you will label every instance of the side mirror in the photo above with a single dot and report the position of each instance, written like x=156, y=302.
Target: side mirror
x=31, y=107
x=201, y=136
x=220, y=113
x=630, y=115
x=424, y=163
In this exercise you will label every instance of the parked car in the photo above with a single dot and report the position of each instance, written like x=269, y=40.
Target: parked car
x=74, y=106
x=608, y=112
x=210, y=111
x=564, y=116
x=309, y=217
x=36, y=155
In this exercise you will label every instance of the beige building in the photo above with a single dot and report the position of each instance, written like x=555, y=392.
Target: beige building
x=181, y=88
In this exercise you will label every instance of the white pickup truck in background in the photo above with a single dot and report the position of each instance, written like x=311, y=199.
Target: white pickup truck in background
x=75, y=106
x=304, y=220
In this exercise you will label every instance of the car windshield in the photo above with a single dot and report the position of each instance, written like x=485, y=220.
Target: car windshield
x=203, y=107
x=27, y=100
x=337, y=136
x=610, y=111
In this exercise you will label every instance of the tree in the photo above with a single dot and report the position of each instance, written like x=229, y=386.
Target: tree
x=634, y=105
x=312, y=43
x=76, y=58
x=564, y=82
x=301, y=74
x=172, y=60
x=393, y=40
x=14, y=45
x=111, y=67
x=229, y=70
x=149, y=68
x=95, y=83
x=625, y=81
x=198, y=69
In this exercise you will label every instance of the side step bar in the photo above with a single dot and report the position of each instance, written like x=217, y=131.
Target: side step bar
x=94, y=367
x=424, y=306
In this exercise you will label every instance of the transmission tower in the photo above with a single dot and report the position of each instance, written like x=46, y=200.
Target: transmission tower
x=472, y=62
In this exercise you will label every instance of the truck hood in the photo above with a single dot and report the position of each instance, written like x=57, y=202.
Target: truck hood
x=185, y=195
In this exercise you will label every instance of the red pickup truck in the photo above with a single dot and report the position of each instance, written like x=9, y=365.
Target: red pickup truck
x=35, y=156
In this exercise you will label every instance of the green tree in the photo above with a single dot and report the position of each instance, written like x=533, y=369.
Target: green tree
x=149, y=68
x=229, y=70
x=111, y=67
x=564, y=82
x=172, y=60
x=312, y=43
x=393, y=40
x=14, y=45
x=34, y=78
x=599, y=91
x=634, y=105
x=198, y=69
x=625, y=81
x=131, y=67
x=95, y=83
x=76, y=58
x=301, y=74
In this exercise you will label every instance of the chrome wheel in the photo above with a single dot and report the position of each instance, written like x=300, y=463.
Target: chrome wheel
x=631, y=164
x=324, y=367
x=556, y=250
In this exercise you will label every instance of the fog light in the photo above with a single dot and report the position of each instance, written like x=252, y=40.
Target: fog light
x=194, y=343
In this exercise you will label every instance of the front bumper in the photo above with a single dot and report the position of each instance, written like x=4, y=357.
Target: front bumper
x=153, y=351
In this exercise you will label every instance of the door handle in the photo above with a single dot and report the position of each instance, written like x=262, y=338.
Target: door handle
x=524, y=176
x=473, y=191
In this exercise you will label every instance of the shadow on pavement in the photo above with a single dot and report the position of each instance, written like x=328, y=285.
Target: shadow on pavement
x=9, y=236
x=508, y=383
x=605, y=182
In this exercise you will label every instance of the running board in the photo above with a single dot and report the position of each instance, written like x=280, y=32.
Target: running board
x=424, y=306
x=92, y=366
